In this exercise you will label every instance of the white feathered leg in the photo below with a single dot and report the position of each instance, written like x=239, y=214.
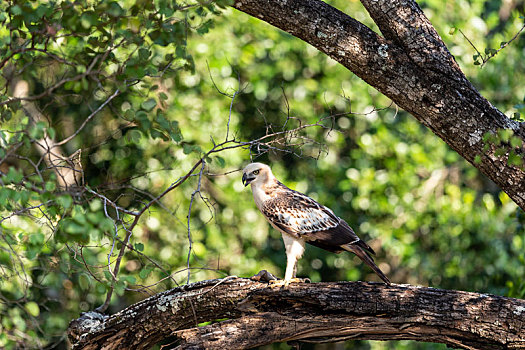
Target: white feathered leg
x=294, y=250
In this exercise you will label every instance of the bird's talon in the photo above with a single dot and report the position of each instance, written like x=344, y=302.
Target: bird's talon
x=285, y=283
x=299, y=280
x=276, y=283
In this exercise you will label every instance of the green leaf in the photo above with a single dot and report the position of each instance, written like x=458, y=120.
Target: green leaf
x=36, y=238
x=129, y=114
x=15, y=10
x=452, y=31
x=149, y=104
x=101, y=288
x=139, y=247
x=221, y=161
x=32, y=308
x=108, y=275
x=505, y=134
x=144, y=54
x=489, y=137
x=516, y=141
x=6, y=115
x=500, y=152
x=142, y=118
x=516, y=116
x=120, y=287
x=95, y=205
x=477, y=159
x=155, y=134
x=115, y=10
x=145, y=272
x=32, y=252
x=175, y=132
x=514, y=159
x=203, y=29
x=89, y=19
x=187, y=148
x=50, y=186
x=65, y=201
x=133, y=136
x=129, y=279
x=51, y=133
x=3, y=337
x=14, y=176
x=106, y=224
x=95, y=218
x=74, y=228
x=84, y=281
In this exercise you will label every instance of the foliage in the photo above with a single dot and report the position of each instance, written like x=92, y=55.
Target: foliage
x=166, y=100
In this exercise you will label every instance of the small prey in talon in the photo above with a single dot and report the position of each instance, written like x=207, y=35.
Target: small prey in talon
x=301, y=220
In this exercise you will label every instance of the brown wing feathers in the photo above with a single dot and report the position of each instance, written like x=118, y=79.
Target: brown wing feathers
x=301, y=216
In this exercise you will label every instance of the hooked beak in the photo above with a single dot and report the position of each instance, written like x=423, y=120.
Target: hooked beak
x=246, y=180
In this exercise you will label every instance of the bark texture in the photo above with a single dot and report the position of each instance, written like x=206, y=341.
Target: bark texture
x=320, y=312
x=412, y=66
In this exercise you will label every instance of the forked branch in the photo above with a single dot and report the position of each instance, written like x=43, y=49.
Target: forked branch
x=411, y=65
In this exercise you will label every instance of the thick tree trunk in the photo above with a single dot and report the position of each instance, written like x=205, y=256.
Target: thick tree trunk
x=412, y=66
x=321, y=312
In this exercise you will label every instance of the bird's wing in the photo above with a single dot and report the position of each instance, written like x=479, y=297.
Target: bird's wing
x=301, y=216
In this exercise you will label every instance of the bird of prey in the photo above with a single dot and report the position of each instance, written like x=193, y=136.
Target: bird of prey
x=300, y=219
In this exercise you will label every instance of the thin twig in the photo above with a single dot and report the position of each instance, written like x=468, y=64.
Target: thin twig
x=89, y=117
x=189, y=217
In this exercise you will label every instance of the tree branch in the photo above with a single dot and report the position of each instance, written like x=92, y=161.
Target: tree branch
x=67, y=168
x=411, y=66
x=320, y=312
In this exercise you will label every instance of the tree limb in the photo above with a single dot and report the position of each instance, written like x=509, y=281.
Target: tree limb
x=412, y=66
x=319, y=312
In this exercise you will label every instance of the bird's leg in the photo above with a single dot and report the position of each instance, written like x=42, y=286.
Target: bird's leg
x=295, y=279
x=289, y=276
x=294, y=250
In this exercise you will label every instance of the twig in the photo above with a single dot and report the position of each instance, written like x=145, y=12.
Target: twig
x=89, y=117
x=232, y=97
x=189, y=217
x=485, y=58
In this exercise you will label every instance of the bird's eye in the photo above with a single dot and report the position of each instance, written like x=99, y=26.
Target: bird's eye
x=255, y=172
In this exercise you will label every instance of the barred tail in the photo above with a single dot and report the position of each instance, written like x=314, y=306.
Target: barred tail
x=365, y=256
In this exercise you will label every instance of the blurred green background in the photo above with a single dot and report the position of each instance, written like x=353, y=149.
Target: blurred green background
x=432, y=218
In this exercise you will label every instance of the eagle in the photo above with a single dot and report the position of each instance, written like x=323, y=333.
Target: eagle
x=300, y=219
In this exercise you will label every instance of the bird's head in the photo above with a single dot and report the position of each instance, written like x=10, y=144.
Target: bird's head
x=256, y=173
